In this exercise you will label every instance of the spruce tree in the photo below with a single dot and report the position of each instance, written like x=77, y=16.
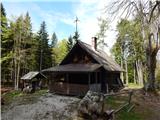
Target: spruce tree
x=6, y=46
x=70, y=43
x=76, y=36
x=54, y=40
x=44, y=51
x=28, y=44
x=53, y=46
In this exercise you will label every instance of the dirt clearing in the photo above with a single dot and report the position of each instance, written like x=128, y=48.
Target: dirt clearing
x=46, y=107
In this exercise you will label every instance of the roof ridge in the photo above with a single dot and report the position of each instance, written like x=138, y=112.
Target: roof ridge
x=101, y=57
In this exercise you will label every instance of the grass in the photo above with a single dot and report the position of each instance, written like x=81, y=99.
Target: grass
x=134, y=86
x=124, y=115
x=114, y=102
x=22, y=97
x=9, y=96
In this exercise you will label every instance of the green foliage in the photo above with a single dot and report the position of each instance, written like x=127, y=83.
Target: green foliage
x=60, y=51
x=134, y=86
x=21, y=48
x=23, y=41
x=123, y=115
x=44, y=51
x=53, y=45
x=116, y=51
x=23, y=98
x=6, y=46
x=103, y=25
x=129, y=45
x=54, y=40
x=76, y=36
x=8, y=97
x=3, y=13
x=28, y=45
x=114, y=102
x=17, y=46
x=70, y=43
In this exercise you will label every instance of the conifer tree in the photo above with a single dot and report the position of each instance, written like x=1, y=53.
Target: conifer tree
x=70, y=43
x=44, y=51
x=54, y=40
x=76, y=36
x=6, y=46
x=53, y=46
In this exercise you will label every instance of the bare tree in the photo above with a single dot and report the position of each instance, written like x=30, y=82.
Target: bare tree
x=149, y=14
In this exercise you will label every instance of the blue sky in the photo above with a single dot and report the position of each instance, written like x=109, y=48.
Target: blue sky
x=55, y=14
x=60, y=15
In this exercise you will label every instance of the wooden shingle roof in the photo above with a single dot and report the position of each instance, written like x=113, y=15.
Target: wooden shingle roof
x=32, y=74
x=101, y=57
x=103, y=60
x=74, y=68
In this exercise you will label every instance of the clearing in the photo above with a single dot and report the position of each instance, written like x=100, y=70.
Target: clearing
x=46, y=106
x=39, y=106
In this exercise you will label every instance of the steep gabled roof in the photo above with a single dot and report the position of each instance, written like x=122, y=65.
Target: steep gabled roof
x=74, y=68
x=100, y=56
x=32, y=74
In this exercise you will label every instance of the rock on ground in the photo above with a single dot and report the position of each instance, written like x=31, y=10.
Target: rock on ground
x=91, y=105
x=48, y=107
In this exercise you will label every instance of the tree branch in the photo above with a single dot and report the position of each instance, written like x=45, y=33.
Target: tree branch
x=156, y=5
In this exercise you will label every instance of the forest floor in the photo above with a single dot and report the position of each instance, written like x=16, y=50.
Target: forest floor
x=146, y=105
x=46, y=106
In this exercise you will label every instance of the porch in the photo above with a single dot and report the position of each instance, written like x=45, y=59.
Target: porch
x=73, y=89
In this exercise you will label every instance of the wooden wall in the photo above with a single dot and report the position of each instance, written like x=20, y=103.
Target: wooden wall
x=69, y=89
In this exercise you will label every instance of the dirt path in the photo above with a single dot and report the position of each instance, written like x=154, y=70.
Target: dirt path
x=147, y=102
x=47, y=107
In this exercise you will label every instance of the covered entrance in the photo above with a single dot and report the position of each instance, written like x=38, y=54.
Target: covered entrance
x=75, y=79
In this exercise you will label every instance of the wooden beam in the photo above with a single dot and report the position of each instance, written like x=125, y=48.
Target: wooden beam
x=130, y=96
x=107, y=88
x=96, y=81
x=67, y=83
x=130, y=93
x=121, y=107
x=130, y=108
x=89, y=80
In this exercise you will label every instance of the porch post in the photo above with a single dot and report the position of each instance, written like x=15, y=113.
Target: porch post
x=96, y=82
x=89, y=80
x=67, y=83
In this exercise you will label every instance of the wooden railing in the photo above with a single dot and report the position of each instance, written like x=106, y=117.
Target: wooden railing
x=69, y=89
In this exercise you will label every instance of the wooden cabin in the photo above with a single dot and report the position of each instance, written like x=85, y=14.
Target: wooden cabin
x=84, y=68
x=33, y=80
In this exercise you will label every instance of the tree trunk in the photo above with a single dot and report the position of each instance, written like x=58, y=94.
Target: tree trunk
x=15, y=71
x=122, y=76
x=139, y=72
x=135, y=82
x=18, y=74
x=151, y=54
x=126, y=67
x=151, y=65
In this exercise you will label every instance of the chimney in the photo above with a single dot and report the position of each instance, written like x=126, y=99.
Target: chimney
x=94, y=42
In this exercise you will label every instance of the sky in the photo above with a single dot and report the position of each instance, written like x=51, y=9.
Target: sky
x=60, y=15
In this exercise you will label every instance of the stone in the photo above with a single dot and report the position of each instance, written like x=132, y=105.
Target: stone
x=91, y=105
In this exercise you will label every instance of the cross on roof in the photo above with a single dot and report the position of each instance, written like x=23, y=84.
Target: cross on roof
x=76, y=21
